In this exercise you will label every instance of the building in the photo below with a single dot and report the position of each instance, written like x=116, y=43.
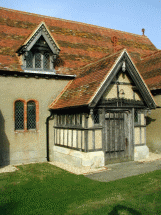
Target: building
x=74, y=92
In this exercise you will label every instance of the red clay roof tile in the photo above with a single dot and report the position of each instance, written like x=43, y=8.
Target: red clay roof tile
x=150, y=68
x=80, y=43
x=80, y=90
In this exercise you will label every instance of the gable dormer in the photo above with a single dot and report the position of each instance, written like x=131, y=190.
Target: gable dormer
x=39, y=51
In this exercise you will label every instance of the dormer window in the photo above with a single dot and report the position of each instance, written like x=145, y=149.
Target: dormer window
x=40, y=57
x=40, y=51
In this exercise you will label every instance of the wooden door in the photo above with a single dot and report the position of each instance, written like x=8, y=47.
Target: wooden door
x=117, y=136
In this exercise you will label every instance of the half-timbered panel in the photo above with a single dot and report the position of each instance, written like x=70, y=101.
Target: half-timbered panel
x=98, y=139
x=122, y=88
x=114, y=115
x=137, y=135
x=90, y=139
x=111, y=92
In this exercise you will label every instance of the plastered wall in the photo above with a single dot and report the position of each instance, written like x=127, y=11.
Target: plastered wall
x=154, y=128
x=140, y=132
x=29, y=146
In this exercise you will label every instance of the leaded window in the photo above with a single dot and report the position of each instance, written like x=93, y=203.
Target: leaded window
x=136, y=118
x=31, y=115
x=26, y=115
x=37, y=60
x=96, y=117
x=46, y=61
x=29, y=60
x=19, y=115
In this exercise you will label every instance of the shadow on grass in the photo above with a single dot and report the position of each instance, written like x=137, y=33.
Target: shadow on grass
x=8, y=208
x=126, y=210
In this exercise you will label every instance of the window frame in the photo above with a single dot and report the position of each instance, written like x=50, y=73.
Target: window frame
x=96, y=115
x=42, y=57
x=24, y=114
x=138, y=122
x=25, y=102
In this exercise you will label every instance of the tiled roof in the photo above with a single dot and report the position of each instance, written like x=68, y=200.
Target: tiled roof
x=150, y=69
x=80, y=43
x=81, y=90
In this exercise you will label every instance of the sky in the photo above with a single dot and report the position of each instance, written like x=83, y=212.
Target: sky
x=125, y=15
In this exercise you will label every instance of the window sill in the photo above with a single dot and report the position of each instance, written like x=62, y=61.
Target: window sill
x=22, y=131
x=69, y=126
x=40, y=71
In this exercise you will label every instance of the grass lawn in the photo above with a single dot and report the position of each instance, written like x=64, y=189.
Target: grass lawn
x=46, y=189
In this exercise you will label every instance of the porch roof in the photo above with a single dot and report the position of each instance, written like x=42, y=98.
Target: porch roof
x=79, y=91
x=93, y=80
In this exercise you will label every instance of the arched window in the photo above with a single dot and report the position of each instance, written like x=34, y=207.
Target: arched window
x=19, y=115
x=26, y=115
x=31, y=115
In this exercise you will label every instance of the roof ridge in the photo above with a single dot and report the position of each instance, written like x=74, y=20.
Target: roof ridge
x=82, y=23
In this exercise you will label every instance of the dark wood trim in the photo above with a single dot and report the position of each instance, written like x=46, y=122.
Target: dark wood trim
x=120, y=102
x=118, y=91
x=79, y=129
x=132, y=134
x=139, y=126
x=103, y=130
x=112, y=106
x=86, y=133
x=141, y=144
x=121, y=83
x=69, y=127
x=106, y=83
x=81, y=139
x=95, y=128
